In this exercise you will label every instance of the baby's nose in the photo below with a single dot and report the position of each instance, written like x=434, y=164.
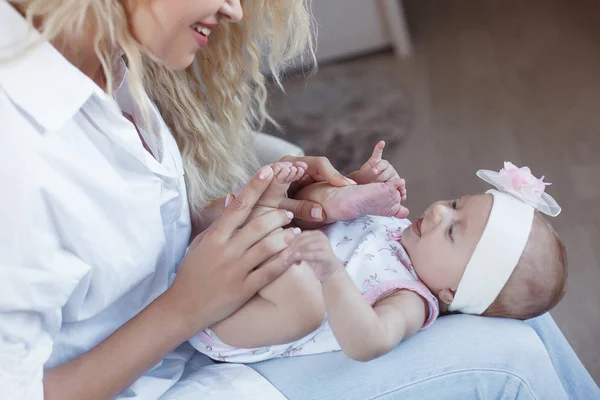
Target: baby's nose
x=438, y=212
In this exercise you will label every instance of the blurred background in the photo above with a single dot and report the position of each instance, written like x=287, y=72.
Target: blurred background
x=458, y=85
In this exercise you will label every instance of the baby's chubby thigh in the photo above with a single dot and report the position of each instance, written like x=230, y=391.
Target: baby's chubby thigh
x=297, y=293
x=286, y=310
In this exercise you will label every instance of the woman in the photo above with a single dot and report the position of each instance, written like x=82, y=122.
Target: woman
x=97, y=214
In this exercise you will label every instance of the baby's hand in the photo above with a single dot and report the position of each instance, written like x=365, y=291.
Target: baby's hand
x=377, y=169
x=314, y=248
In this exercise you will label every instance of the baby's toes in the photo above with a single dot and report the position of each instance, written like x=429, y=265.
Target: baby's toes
x=276, y=168
x=284, y=174
x=299, y=173
x=291, y=172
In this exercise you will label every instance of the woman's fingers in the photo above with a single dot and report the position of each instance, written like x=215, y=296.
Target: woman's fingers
x=266, y=273
x=268, y=247
x=239, y=208
x=260, y=227
x=377, y=153
x=304, y=209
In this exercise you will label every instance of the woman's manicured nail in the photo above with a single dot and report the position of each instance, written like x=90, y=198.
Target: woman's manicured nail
x=228, y=199
x=264, y=173
x=289, y=214
x=350, y=181
x=316, y=213
x=297, y=231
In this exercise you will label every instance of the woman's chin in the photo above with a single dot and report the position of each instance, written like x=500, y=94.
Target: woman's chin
x=174, y=62
x=178, y=63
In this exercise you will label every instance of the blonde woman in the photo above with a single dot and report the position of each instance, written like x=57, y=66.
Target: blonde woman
x=122, y=122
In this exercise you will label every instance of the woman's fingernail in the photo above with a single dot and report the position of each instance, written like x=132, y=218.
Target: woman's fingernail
x=289, y=214
x=350, y=181
x=228, y=199
x=316, y=213
x=264, y=173
x=297, y=231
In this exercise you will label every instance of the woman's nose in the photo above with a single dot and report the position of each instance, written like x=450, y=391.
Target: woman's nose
x=232, y=10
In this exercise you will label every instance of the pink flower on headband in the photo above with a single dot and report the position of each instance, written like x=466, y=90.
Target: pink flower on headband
x=521, y=184
x=523, y=180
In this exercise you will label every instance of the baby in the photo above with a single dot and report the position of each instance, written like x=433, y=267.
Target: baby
x=366, y=284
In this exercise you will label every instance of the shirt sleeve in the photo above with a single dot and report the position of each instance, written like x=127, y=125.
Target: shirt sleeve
x=36, y=274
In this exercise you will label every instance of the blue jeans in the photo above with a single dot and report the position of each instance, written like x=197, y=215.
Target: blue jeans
x=459, y=357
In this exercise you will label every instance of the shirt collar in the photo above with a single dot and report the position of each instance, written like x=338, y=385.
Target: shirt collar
x=42, y=82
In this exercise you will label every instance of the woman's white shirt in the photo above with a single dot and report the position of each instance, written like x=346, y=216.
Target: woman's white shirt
x=92, y=226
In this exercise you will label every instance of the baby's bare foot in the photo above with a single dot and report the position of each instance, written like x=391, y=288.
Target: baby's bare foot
x=284, y=173
x=349, y=202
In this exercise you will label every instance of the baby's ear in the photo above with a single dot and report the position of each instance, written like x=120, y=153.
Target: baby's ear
x=446, y=296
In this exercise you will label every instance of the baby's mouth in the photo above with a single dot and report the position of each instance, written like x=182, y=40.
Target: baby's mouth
x=416, y=226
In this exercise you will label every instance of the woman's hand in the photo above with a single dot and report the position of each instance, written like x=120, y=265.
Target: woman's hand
x=224, y=266
x=318, y=169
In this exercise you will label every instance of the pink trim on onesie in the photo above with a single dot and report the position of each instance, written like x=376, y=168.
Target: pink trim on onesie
x=375, y=293
x=211, y=341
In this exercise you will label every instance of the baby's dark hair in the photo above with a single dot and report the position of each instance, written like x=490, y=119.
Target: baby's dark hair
x=539, y=281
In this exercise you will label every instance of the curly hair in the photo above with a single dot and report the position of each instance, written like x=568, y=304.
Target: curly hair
x=212, y=106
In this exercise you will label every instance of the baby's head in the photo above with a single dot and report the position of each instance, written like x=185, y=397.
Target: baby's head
x=489, y=254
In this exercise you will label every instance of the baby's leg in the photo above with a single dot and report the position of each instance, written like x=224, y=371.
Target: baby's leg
x=286, y=310
x=349, y=202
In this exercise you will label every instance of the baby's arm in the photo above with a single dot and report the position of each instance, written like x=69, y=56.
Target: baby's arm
x=286, y=310
x=363, y=332
x=367, y=332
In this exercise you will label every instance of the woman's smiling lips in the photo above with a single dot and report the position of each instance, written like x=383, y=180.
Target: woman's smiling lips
x=416, y=226
x=201, y=32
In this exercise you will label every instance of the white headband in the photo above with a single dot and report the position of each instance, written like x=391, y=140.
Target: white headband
x=504, y=237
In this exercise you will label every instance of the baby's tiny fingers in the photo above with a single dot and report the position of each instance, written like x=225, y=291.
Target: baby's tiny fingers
x=300, y=240
x=403, y=193
x=377, y=152
x=381, y=166
x=293, y=257
x=386, y=175
x=311, y=247
x=398, y=183
x=318, y=254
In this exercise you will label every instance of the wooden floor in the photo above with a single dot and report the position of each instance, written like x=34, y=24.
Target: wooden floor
x=518, y=80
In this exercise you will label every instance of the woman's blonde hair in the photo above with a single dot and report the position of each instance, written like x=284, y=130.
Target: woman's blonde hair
x=213, y=106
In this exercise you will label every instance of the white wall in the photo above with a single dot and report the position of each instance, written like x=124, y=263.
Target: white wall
x=347, y=27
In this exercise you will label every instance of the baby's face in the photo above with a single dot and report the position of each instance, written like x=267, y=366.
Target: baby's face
x=442, y=241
